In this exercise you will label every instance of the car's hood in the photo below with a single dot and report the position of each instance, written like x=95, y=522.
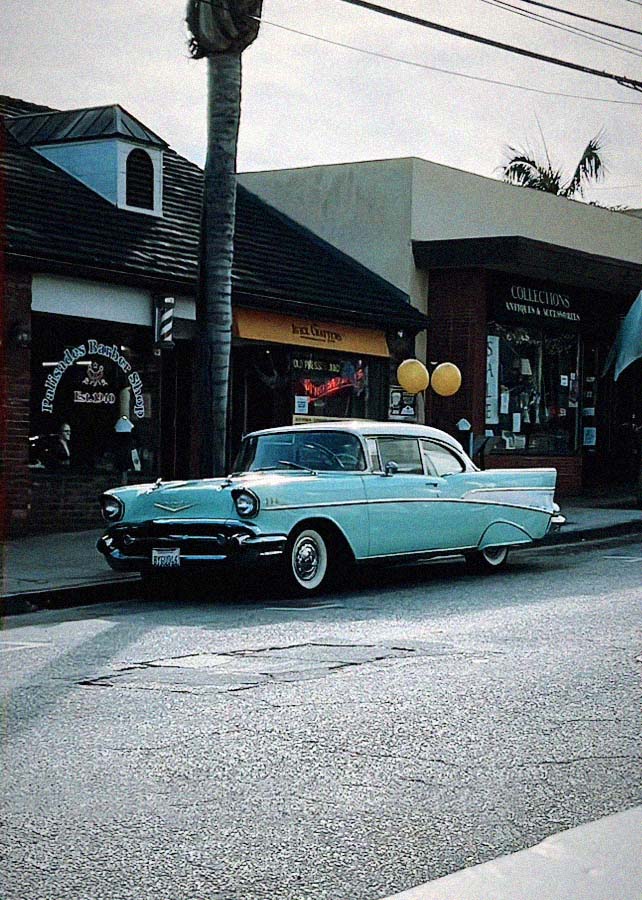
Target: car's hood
x=203, y=498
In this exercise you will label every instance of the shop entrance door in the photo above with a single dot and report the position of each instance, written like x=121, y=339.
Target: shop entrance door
x=627, y=437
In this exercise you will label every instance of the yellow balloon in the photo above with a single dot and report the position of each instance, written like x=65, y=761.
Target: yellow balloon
x=446, y=379
x=413, y=376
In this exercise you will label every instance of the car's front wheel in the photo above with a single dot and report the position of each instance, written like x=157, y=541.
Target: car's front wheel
x=307, y=561
x=488, y=560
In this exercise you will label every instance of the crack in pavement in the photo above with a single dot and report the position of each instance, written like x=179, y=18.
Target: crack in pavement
x=246, y=669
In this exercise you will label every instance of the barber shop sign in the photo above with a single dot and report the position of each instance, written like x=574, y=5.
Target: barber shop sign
x=94, y=378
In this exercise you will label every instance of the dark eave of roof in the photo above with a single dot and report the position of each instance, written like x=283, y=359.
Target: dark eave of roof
x=55, y=223
x=535, y=259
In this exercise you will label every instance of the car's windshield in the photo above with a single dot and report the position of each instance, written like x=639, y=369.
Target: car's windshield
x=326, y=451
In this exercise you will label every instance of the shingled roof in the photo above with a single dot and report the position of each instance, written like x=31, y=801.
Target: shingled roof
x=54, y=223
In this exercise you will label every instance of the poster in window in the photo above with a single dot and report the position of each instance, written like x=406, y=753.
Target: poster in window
x=401, y=404
x=589, y=437
x=492, y=379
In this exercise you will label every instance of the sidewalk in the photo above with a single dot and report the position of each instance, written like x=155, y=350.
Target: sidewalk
x=598, y=861
x=65, y=569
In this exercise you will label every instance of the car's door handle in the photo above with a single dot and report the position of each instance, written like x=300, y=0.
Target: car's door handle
x=432, y=483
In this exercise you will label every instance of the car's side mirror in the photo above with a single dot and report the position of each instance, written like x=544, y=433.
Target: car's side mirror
x=391, y=468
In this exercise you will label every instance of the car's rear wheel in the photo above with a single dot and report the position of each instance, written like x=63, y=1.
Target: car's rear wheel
x=491, y=559
x=308, y=561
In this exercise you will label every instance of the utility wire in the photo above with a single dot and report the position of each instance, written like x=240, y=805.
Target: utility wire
x=561, y=26
x=414, y=20
x=408, y=62
x=575, y=15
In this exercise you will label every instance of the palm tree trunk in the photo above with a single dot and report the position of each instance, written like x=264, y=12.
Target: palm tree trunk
x=214, y=297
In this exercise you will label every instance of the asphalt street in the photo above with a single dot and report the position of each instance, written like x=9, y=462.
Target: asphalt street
x=232, y=744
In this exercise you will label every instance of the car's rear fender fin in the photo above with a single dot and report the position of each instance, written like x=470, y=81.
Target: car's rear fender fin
x=501, y=534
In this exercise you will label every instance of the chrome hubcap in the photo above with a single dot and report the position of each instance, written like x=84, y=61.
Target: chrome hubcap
x=306, y=559
x=495, y=555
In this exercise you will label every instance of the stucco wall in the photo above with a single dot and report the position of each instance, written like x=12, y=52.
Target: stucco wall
x=448, y=203
x=374, y=210
x=363, y=209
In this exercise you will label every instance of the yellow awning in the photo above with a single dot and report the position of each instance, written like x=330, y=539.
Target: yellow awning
x=276, y=328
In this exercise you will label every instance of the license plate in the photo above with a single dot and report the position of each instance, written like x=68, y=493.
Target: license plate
x=166, y=559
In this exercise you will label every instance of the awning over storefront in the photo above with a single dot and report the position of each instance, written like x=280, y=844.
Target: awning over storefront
x=534, y=259
x=256, y=325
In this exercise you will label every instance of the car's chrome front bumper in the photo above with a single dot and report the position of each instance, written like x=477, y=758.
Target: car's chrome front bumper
x=201, y=544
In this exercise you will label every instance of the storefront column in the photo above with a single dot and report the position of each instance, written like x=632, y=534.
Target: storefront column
x=15, y=494
x=457, y=334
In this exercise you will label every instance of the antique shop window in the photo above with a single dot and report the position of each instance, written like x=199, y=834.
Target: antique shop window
x=532, y=390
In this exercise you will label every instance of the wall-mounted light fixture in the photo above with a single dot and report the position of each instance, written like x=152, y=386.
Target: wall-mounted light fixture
x=19, y=336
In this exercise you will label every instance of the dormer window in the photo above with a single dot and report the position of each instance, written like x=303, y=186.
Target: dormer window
x=139, y=180
x=105, y=148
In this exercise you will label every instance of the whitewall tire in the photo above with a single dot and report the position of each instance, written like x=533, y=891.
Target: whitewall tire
x=308, y=562
x=491, y=559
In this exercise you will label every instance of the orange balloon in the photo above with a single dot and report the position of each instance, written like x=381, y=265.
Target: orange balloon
x=413, y=376
x=446, y=379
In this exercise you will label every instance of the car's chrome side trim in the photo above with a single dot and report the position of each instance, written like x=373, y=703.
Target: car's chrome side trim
x=381, y=500
x=507, y=488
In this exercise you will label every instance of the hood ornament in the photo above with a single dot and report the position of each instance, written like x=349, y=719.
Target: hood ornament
x=180, y=507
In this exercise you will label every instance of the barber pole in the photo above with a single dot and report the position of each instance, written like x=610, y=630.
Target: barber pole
x=163, y=321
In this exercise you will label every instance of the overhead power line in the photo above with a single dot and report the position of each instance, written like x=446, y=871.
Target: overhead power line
x=414, y=20
x=575, y=15
x=562, y=26
x=408, y=62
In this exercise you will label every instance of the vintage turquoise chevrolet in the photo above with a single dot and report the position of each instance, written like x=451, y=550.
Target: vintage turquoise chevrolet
x=317, y=498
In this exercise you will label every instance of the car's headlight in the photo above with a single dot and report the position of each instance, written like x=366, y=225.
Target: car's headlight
x=246, y=503
x=111, y=507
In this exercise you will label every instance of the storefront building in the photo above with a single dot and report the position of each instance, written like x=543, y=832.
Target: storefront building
x=524, y=292
x=91, y=398
x=537, y=395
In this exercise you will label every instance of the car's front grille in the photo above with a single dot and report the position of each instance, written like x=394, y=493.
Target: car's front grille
x=194, y=538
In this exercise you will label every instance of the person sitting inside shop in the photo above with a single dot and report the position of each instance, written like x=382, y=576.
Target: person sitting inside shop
x=60, y=452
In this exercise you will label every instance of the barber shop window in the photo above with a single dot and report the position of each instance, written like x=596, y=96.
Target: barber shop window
x=532, y=390
x=92, y=398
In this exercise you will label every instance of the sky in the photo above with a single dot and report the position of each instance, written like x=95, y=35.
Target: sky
x=307, y=102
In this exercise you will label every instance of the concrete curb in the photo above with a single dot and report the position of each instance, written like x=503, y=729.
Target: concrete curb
x=84, y=594
x=591, y=534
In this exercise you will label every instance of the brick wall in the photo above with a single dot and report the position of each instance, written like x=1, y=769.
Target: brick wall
x=69, y=502
x=457, y=334
x=16, y=361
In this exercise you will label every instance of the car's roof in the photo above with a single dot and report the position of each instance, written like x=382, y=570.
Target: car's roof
x=369, y=427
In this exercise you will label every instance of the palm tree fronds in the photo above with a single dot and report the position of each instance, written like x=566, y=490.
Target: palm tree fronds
x=591, y=167
x=221, y=26
x=523, y=169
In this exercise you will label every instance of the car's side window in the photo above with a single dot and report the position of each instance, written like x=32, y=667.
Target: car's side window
x=404, y=451
x=440, y=459
x=373, y=454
